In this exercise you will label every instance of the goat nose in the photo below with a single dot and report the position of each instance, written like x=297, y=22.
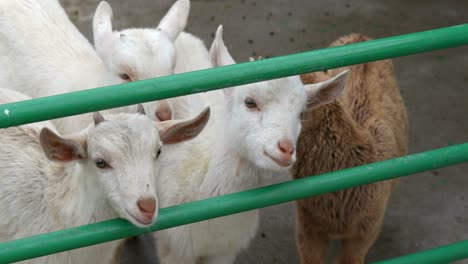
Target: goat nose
x=286, y=146
x=163, y=114
x=147, y=206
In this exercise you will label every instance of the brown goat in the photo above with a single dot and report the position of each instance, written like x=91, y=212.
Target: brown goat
x=366, y=123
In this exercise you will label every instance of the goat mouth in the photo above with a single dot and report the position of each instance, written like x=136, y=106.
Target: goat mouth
x=139, y=220
x=277, y=161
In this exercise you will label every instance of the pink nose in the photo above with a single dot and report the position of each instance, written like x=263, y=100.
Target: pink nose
x=147, y=206
x=164, y=114
x=286, y=147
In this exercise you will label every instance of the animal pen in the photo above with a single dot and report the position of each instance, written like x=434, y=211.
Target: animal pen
x=18, y=113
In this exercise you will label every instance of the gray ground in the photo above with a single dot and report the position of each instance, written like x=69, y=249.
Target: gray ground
x=428, y=209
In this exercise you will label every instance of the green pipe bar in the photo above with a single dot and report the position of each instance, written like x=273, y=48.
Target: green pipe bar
x=68, y=239
x=80, y=102
x=439, y=255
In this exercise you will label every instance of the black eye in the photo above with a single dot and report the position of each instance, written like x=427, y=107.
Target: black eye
x=124, y=76
x=102, y=164
x=158, y=153
x=250, y=103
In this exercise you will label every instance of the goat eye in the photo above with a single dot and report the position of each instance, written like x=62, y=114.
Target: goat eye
x=124, y=76
x=102, y=164
x=158, y=153
x=250, y=103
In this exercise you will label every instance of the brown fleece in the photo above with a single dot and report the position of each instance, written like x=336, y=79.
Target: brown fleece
x=367, y=123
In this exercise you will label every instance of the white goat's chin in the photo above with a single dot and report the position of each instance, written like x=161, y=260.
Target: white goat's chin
x=265, y=161
x=140, y=221
x=279, y=162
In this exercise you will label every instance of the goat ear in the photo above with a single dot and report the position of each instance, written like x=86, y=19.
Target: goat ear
x=326, y=92
x=218, y=52
x=102, y=28
x=61, y=149
x=175, y=20
x=220, y=55
x=176, y=131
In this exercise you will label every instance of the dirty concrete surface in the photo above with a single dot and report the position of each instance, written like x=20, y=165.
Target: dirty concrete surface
x=428, y=209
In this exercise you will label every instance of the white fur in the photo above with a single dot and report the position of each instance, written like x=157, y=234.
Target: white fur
x=40, y=194
x=9, y=96
x=192, y=55
x=228, y=157
x=47, y=55
x=172, y=51
x=44, y=51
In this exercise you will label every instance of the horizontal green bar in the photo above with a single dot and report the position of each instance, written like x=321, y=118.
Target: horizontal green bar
x=439, y=255
x=87, y=235
x=205, y=80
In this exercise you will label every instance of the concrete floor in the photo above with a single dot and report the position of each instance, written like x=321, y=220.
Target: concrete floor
x=428, y=209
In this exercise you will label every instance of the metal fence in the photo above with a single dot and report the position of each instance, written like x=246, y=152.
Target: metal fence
x=14, y=114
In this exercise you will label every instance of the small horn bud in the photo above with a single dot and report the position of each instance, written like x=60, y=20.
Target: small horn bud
x=141, y=109
x=98, y=118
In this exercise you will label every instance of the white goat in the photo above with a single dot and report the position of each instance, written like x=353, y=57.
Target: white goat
x=108, y=170
x=252, y=137
x=189, y=52
x=47, y=55
x=8, y=96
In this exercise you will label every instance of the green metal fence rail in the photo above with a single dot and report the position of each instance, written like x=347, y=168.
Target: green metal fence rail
x=200, y=81
x=441, y=255
x=232, y=203
x=242, y=73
